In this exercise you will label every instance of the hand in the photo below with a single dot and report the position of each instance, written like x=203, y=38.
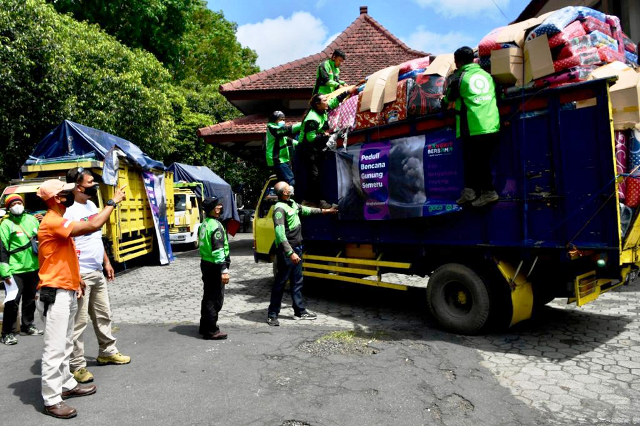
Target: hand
x=119, y=194
x=39, y=217
x=7, y=280
x=361, y=82
x=353, y=90
x=110, y=272
x=451, y=105
x=332, y=210
x=295, y=259
x=225, y=279
x=81, y=290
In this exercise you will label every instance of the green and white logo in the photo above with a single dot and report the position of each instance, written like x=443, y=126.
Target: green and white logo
x=478, y=84
x=218, y=235
x=278, y=215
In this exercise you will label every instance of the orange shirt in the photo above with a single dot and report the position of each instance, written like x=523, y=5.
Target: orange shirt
x=59, y=266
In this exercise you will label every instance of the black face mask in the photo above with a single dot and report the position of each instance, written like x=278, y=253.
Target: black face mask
x=91, y=191
x=68, y=201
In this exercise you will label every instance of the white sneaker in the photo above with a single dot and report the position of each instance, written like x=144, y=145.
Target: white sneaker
x=468, y=195
x=485, y=198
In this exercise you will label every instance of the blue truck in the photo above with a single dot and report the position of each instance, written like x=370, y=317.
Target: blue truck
x=556, y=230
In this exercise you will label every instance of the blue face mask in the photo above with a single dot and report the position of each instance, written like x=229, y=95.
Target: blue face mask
x=280, y=123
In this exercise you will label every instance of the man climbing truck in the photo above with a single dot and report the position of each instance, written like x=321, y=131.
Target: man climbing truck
x=554, y=232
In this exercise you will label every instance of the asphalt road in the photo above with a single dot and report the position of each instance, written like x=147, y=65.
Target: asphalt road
x=372, y=358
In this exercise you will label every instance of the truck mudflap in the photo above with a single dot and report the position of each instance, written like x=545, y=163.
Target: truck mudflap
x=588, y=287
x=521, y=291
x=351, y=270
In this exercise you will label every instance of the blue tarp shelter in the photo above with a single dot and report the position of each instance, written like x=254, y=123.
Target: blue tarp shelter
x=71, y=141
x=212, y=185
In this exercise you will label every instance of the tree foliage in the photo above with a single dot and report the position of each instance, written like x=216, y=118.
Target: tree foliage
x=53, y=67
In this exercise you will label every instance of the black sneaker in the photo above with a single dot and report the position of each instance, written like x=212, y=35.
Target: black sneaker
x=306, y=315
x=9, y=339
x=273, y=321
x=32, y=331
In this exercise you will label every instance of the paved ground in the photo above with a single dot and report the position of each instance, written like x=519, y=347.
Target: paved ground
x=571, y=366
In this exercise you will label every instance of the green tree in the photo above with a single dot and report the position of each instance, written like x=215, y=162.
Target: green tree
x=54, y=68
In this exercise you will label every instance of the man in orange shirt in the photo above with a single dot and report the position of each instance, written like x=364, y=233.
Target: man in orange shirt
x=60, y=287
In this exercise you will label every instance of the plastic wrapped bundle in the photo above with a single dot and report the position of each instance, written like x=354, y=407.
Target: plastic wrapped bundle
x=591, y=24
x=633, y=58
x=578, y=44
x=411, y=74
x=560, y=19
x=572, y=31
x=621, y=160
x=414, y=64
x=344, y=116
x=629, y=45
x=488, y=42
x=571, y=75
x=586, y=57
x=616, y=31
x=632, y=196
x=608, y=55
x=426, y=94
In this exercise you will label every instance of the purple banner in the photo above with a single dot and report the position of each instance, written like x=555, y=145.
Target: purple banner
x=408, y=177
x=156, y=194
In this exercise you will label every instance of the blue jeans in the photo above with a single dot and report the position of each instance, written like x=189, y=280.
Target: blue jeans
x=284, y=173
x=286, y=270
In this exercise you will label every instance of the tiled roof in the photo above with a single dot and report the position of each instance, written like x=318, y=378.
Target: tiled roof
x=368, y=46
x=253, y=125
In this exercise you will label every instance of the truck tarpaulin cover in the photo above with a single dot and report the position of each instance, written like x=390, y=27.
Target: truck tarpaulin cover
x=401, y=178
x=213, y=185
x=72, y=140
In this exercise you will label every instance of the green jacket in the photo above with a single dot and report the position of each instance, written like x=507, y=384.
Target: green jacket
x=315, y=123
x=327, y=77
x=16, y=255
x=214, y=246
x=277, y=146
x=286, y=221
x=474, y=93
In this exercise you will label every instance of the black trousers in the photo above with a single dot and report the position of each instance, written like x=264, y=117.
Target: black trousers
x=27, y=283
x=312, y=159
x=477, y=151
x=212, y=298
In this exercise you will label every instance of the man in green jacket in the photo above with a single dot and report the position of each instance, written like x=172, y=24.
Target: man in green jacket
x=313, y=140
x=288, y=230
x=214, y=251
x=477, y=125
x=278, y=140
x=328, y=74
x=19, y=265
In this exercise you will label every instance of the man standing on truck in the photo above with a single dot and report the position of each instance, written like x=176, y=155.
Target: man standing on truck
x=328, y=74
x=288, y=242
x=477, y=125
x=95, y=303
x=278, y=140
x=60, y=287
x=19, y=265
x=214, y=251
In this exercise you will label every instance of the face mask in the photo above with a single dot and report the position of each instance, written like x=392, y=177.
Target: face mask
x=280, y=123
x=91, y=191
x=68, y=202
x=17, y=210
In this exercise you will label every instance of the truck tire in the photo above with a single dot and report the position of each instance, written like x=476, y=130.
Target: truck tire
x=458, y=299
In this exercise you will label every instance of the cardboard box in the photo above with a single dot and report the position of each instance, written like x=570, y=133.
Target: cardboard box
x=516, y=33
x=625, y=94
x=538, y=61
x=380, y=89
x=507, y=65
x=442, y=65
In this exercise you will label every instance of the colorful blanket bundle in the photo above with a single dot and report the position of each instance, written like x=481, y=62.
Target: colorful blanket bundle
x=393, y=111
x=632, y=195
x=344, y=116
x=424, y=96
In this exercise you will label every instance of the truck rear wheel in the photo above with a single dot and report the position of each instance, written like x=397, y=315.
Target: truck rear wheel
x=458, y=299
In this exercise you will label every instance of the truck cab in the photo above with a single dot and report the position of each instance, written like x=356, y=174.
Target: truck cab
x=184, y=229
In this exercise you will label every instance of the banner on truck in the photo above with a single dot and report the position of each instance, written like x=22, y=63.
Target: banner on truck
x=417, y=176
x=154, y=185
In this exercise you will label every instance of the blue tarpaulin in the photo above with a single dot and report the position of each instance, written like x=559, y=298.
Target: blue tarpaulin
x=71, y=141
x=213, y=185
